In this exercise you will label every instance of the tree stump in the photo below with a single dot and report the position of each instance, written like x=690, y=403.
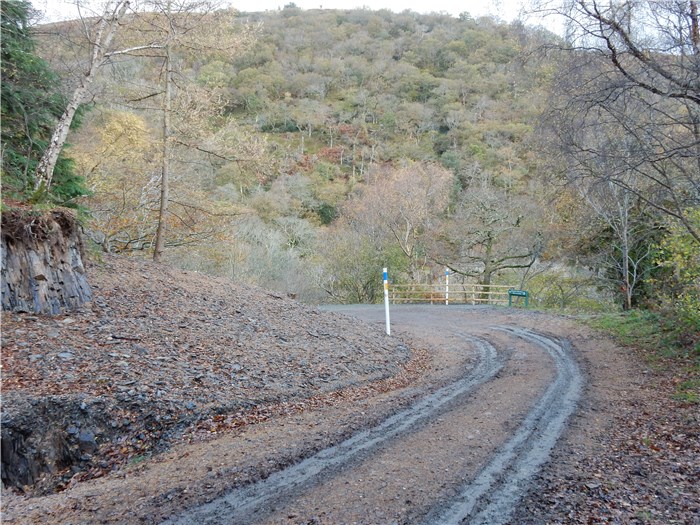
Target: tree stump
x=42, y=262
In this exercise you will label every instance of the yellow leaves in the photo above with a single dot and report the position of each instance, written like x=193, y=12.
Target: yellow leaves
x=112, y=143
x=124, y=131
x=680, y=251
x=118, y=156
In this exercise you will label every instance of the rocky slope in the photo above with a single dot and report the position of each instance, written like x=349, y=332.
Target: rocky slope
x=160, y=352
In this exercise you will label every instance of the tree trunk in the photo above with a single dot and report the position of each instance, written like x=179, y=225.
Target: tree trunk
x=106, y=29
x=626, y=285
x=485, y=279
x=694, y=29
x=42, y=263
x=47, y=163
x=624, y=207
x=165, y=178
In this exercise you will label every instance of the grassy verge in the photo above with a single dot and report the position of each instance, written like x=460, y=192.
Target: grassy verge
x=659, y=343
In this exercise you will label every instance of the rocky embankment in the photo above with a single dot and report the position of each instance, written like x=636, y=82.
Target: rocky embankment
x=158, y=354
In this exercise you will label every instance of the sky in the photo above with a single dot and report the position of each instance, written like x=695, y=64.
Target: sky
x=506, y=10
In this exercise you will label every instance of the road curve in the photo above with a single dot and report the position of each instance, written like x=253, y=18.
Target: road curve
x=490, y=498
x=463, y=453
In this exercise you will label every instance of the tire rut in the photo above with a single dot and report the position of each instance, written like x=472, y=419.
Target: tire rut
x=253, y=502
x=490, y=498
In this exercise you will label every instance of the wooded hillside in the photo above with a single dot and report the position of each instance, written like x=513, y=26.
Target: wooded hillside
x=307, y=149
x=309, y=123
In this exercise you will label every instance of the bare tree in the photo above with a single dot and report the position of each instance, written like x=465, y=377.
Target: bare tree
x=384, y=224
x=165, y=172
x=488, y=232
x=628, y=252
x=632, y=69
x=164, y=29
x=407, y=202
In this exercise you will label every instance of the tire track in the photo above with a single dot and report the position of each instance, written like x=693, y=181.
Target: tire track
x=490, y=498
x=252, y=502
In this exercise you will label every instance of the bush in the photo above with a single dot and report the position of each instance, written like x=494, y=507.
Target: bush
x=678, y=283
x=564, y=291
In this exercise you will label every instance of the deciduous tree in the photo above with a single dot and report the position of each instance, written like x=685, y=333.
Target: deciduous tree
x=171, y=29
x=171, y=32
x=406, y=202
x=632, y=68
x=116, y=154
x=627, y=249
x=99, y=35
x=489, y=231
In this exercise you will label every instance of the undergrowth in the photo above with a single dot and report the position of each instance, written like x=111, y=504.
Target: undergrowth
x=662, y=344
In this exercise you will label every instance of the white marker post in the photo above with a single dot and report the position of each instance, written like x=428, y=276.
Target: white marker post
x=386, y=301
x=447, y=286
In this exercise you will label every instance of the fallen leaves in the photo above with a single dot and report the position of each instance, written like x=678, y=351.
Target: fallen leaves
x=639, y=465
x=176, y=354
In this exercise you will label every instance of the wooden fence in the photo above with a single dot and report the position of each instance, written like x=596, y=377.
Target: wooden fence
x=458, y=293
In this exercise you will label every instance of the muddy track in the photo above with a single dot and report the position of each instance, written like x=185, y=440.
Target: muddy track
x=463, y=454
x=491, y=497
x=243, y=505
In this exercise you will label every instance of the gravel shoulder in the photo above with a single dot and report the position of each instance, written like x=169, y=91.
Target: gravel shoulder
x=250, y=382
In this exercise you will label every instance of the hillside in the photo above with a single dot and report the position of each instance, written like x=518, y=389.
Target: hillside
x=290, y=134
x=307, y=149
x=160, y=353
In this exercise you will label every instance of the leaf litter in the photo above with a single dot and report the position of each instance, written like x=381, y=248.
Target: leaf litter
x=162, y=355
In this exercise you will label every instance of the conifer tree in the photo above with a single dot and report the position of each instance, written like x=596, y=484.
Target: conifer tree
x=31, y=103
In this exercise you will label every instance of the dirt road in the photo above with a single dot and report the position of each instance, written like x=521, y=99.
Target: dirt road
x=241, y=406
x=464, y=451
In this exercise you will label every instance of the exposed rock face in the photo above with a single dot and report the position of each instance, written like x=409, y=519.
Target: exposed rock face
x=44, y=437
x=42, y=262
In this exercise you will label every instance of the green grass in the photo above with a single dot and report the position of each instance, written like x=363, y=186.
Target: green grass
x=689, y=391
x=635, y=328
x=647, y=332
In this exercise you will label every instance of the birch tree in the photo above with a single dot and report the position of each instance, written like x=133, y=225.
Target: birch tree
x=100, y=36
x=170, y=32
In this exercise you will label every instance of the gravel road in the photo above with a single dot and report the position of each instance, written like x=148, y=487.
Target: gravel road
x=498, y=416
x=465, y=452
